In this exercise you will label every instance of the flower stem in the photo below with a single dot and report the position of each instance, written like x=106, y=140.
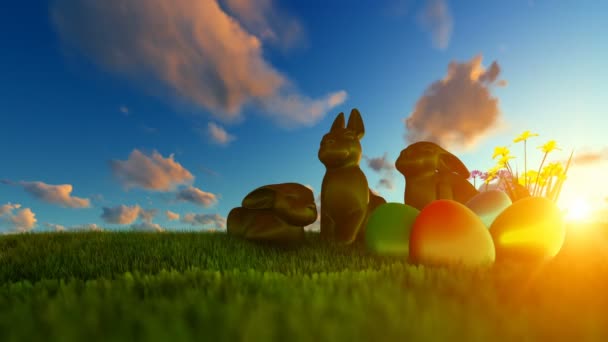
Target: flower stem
x=548, y=189
x=538, y=176
x=525, y=164
x=508, y=184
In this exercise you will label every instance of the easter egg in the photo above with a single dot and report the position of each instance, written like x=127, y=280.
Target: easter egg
x=488, y=205
x=532, y=227
x=388, y=228
x=446, y=232
x=489, y=187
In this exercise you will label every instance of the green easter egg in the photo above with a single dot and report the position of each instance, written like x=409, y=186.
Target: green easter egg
x=388, y=229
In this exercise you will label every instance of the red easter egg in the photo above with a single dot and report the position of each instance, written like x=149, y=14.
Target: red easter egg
x=446, y=232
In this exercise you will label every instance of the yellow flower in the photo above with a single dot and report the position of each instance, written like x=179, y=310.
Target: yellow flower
x=500, y=151
x=549, y=146
x=504, y=160
x=524, y=136
x=545, y=172
x=531, y=175
x=556, y=168
x=494, y=170
x=490, y=178
x=492, y=173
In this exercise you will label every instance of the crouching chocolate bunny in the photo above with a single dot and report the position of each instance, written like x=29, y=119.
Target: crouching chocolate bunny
x=346, y=199
x=275, y=212
x=432, y=173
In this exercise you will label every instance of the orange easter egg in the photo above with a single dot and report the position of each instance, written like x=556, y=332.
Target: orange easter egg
x=446, y=232
x=532, y=227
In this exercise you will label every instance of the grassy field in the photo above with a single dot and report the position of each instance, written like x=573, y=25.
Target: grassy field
x=102, y=286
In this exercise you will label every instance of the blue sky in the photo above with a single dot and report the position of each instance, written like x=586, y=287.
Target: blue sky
x=240, y=92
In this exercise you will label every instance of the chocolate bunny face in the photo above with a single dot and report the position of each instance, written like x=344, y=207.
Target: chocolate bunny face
x=341, y=146
x=424, y=158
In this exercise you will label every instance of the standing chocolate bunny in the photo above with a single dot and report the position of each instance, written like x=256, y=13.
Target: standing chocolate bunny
x=346, y=199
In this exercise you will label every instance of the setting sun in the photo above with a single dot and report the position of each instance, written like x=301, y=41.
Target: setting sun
x=578, y=209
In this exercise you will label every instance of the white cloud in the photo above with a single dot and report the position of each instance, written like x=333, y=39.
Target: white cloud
x=121, y=214
x=206, y=54
x=171, y=216
x=55, y=194
x=87, y=227
x=379, y=164
x=22, y=221
x=147, y=215
x=437, y=19
x=457, y=111
x=265, y=21
x=214, y=221
x=587, y=157
x=82, y=227
x=55, y=227
x=150, y=172
x=302, y=110
x=385, y=167
x=218, y=134
x=196, y=196
x=8, y=208
x=147, y=227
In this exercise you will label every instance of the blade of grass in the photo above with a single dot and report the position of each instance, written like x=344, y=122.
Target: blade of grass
x=561, y=181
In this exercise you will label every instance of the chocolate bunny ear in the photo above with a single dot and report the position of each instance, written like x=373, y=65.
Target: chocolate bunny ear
x=450, y=163
x=260, y=198
x=355, y=123
x=338, y=123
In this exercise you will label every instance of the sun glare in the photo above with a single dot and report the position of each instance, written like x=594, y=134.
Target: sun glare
x=578, y=209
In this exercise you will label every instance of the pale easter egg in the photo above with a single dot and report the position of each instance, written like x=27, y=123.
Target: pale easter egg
x=489, y=204
x=447, y=233
x=388, y=228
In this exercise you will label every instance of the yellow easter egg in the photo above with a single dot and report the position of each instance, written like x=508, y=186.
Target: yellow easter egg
x=531, y=228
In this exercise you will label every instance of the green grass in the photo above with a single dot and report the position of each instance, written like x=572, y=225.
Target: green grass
x=103, y=286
